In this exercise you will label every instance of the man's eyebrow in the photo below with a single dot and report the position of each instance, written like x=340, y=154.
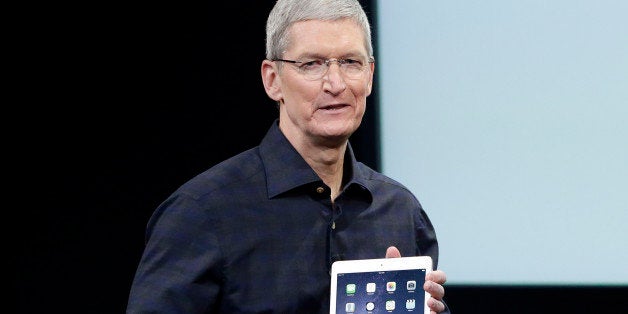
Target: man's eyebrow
x=347, y=55
x=310, y=56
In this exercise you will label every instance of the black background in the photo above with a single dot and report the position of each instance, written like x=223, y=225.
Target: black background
x=124, y=103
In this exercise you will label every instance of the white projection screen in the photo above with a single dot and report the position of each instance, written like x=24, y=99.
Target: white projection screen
x=509, y=121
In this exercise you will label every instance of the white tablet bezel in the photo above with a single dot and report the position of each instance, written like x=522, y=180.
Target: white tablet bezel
x=374, y=265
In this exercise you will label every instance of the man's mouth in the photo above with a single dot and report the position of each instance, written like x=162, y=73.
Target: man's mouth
x=333, y=107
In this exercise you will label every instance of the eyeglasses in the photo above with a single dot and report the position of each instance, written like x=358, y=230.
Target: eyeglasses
x=317, y=68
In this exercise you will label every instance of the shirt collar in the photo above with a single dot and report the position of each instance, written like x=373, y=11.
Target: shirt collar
x=286, y=169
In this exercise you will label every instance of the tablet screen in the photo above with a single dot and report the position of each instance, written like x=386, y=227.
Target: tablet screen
x=381, y=292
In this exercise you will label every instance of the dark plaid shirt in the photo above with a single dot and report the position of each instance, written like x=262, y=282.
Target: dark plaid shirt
x=257, y=233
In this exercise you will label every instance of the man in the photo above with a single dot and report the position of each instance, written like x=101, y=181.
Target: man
x=258, y=232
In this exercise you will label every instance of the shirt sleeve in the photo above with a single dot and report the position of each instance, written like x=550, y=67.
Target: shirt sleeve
x=179, y=269
x=428, y=244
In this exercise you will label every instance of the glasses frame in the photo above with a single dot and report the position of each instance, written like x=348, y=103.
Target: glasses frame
x=327, y=63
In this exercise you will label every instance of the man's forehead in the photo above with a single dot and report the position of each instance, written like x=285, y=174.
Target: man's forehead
x=343, y=36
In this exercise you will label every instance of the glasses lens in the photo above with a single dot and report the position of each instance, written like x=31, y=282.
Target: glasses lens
x=314, y=70
x=352, y=69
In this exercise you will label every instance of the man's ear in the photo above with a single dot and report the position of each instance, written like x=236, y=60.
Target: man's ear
x=370, y=81
x=271, y=79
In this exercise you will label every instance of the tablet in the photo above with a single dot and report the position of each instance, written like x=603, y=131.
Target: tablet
x=386, y=285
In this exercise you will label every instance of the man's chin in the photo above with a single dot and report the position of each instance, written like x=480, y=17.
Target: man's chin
x=335, y=136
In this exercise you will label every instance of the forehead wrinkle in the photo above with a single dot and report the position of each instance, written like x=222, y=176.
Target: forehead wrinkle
x=350, y=54
x=312, y=45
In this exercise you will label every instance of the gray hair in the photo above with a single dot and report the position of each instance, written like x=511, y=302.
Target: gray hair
x=287, y=12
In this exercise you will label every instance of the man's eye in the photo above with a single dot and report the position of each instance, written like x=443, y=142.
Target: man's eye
x=351, y=62
x=312, y=64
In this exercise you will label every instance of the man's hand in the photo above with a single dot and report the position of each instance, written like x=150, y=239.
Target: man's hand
x=392, y=252
x=433, y=284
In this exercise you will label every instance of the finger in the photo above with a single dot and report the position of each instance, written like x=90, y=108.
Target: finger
x=437, y=276
x=435, y=306
x=392, y=252
x=434, y=289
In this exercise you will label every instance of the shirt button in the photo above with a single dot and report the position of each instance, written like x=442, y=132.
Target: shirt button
x=320, y=190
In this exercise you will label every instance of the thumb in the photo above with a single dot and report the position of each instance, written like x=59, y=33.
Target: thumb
x=392, y=252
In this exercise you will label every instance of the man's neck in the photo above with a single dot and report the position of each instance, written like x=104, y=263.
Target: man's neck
x=327, y=162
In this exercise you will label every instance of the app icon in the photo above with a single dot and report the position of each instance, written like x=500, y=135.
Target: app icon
x=351, y=288
x=370, y=287
x=350, y=307
x=390, y=305
x=370, y=306
x=410, y=304
x=411, y=285
x=391, y=286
